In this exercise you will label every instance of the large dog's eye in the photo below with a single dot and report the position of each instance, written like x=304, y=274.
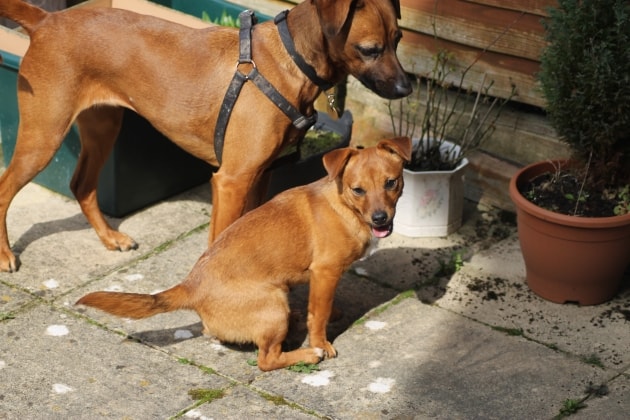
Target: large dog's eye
x=391, y=184
x=370, y=52
x=358, y=191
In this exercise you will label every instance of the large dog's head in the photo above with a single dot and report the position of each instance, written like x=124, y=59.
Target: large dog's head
x=370, y=180
x=363, y=36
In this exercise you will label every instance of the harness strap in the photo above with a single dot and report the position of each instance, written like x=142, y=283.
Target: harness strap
x=299, y=121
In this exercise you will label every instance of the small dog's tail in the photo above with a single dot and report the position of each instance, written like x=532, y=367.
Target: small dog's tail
x=137, y=305
x=23, y=13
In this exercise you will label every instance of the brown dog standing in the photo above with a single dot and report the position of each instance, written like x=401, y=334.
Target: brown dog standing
x=88, y=63
x=312, y=233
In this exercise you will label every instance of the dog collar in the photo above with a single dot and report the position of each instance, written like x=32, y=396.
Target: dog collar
x=287, y=40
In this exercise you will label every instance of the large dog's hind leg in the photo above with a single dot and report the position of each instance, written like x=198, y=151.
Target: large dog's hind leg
x=39, y=136
x=98, y=128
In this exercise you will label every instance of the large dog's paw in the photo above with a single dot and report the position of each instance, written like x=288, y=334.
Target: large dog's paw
x=8, y=262
x=118, y=241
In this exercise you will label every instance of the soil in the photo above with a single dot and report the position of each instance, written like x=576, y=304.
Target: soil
x=558, y=193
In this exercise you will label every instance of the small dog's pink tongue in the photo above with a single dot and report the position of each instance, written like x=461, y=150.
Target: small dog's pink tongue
x=380, y=231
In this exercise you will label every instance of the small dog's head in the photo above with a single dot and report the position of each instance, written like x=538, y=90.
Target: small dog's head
x=363, y=36
x=370, y=180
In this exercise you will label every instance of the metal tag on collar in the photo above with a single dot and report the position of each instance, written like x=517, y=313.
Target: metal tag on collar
x=331, y=95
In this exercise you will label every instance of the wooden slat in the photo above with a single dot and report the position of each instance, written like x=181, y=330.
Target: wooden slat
x=521, y=136
x=536, y=7
x=504, y=31
x=417, y=52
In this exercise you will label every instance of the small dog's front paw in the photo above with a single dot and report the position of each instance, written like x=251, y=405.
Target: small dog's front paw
x=329, y=350
x=319, y=353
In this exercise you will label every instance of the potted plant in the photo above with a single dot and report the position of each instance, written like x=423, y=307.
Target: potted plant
x=573, y=215
x=446, y=122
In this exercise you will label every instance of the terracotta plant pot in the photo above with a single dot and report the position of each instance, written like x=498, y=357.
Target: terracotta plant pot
x=567, y=258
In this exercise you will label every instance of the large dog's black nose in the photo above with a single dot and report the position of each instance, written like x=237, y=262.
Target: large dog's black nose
x=403, y=87
x=379, y=218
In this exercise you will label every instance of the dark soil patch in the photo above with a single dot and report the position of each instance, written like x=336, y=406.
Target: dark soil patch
x=560, y=193
x=488, y=288
x=617, y=312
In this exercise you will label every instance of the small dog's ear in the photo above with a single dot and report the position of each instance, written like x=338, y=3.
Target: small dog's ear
x=398, y=145
x=336, y=160
x=332, y=15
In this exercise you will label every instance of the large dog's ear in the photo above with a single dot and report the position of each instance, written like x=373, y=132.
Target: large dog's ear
x=335, y=161
x=332, y=15
x=398, y=145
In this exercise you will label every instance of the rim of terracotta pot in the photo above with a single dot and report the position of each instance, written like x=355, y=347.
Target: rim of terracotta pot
x=531, y=171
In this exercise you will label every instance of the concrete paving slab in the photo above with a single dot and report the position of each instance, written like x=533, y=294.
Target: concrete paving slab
x=60, y=251
x=241, y=402
x=491, y=288
x=446, y=353
x=614, y=400
x=54, y=365
x=418, y=361
x=11, y=299
x=405, y=263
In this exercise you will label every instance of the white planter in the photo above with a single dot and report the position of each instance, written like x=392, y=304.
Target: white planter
x=432, y=202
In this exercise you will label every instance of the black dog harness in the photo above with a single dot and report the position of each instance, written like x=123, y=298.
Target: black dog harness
x=299, y=121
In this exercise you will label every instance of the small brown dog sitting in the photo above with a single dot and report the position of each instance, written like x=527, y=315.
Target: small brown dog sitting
x=239, y=286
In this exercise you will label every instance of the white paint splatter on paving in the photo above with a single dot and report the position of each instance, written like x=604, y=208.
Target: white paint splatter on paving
x=183, y=334
x=61, y=388
x=196, y=414
x=381, y=385
x=218, y=346
x=57, y=330
x=321, y=378
x=375, y=363
x=134, y=277
x=375, y=325
x=51, y=284
x=3, y=364
x=114, y=288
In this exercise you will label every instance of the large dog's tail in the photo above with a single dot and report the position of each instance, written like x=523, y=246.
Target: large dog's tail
x=137, y=305
x=23, y=13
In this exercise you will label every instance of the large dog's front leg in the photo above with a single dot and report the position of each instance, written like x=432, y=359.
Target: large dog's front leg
x=230, y=193
x=320, y=301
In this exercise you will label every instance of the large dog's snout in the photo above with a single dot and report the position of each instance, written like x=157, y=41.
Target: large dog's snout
x=392, y=88
x=403, y=87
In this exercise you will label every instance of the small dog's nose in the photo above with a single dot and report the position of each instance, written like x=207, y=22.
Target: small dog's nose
x=379, y=218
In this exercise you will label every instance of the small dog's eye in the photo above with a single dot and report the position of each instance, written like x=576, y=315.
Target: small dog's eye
x=390, y=184
x=358, y=191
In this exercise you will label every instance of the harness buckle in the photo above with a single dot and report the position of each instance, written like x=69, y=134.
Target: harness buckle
x=249, y=62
